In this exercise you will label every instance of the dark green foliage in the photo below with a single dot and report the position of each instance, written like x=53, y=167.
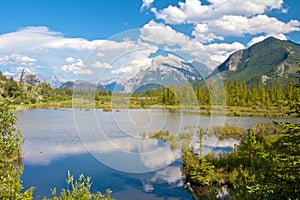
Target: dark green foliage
x=293, y=96
x=260, y=167
x=2, y=77
x=10, y=156
x=12, y=89
x=45, y=90
x=237, y=94
x=198, y=172
x=30, y=92
x=31, y=79
x=268, y=169
x=286, y=157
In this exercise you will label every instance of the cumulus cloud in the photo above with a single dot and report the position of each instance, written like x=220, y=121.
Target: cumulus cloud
x=193, y=11
x=262, y=37
x=84, y=71
x=219, y=19
x=127, y=69
x=220, y=51
x=17, y=59
x=31, y=38
x=132, y=63
x=161, y=34
x=100, y=54
x=146, y=4
x=70, y=59
x=44, y=51
x=171, y=40
x=101, y=65
x=240, y=26
x=75, y=67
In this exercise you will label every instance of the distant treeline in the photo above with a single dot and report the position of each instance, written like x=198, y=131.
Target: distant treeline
x=31, y=90
x=230, y=94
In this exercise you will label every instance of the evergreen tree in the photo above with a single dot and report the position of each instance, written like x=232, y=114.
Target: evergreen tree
x=12, y=89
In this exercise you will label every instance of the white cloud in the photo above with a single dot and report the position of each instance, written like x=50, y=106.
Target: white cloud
x=171, y=15
x=26, y=70
x=127, y=69
x=101, y=65
x=75, y=67
x=44, y=51
x=160, y=34
x=146, y=4
x=32, y=38
x=220, y=18
x=193, y=11
x=124, y=58
x=240, y=26
x=72, y=43
x=8, y=74
x=261, y=38
x=220, y=51
x=84, y=71
x=70, y=59
x=100, y=54
x=17, y=59
x=134, y=66
x=169, y=174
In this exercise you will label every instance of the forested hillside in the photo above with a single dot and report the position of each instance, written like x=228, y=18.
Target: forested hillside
x=30, y=90
x=271, y=60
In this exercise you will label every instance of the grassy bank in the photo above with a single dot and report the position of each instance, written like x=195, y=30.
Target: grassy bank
x=270, y=111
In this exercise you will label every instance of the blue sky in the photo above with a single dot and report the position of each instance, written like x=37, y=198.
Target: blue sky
x=54, y=37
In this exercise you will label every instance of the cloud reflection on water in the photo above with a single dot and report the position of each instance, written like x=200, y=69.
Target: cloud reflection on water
x=39, y=152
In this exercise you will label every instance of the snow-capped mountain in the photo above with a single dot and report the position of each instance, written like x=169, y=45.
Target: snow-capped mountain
x=54, y=81
x=165, y=71
x=115, y=84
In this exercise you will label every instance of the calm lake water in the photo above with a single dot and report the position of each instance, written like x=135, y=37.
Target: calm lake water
x=114, y=149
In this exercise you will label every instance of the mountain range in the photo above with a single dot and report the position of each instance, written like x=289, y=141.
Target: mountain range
x=84, y=85
x=164, y=71
x=269, y=60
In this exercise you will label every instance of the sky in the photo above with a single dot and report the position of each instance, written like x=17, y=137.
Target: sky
x=80, y=37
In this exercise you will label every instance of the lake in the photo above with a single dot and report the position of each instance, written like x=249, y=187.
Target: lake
x=115, y=149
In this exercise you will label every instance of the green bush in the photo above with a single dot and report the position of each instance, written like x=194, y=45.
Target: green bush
x=79, y=189
x=11, y=167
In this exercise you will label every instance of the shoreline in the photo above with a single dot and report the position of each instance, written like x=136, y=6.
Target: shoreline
x=237, y=111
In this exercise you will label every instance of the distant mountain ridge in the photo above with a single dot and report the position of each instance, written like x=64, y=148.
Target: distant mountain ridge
x=269, y=60
x=84, y=85
x=54, y=81
x=164, y=71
